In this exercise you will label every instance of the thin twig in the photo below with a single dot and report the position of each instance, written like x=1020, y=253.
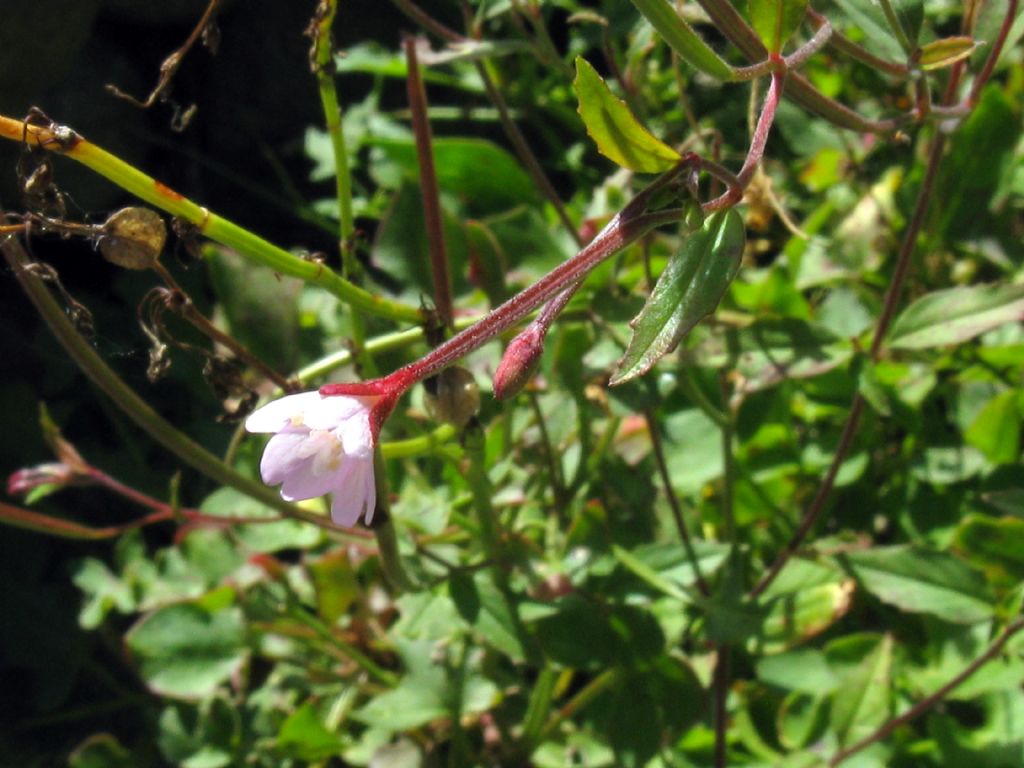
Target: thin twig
x=170, y=67
x=721, y=694
x=673, y=501
x=928, y=702
x=187, y=309
x=433, y=222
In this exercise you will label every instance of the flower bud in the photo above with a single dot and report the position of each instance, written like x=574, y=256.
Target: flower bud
x=24, y=481
x=519, y=363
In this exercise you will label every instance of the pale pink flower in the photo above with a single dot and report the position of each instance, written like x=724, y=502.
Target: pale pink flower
x=321, y=445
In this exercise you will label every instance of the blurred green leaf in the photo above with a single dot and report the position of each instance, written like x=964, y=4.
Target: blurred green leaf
x=304, y=735
x=945, y=52
x=481, y=603
x=954, y=315
x=185, y=651
x=863, y=700
x=805, y=670
x=618, y=134
x=634, y=726
x=775, y=21
x=262, y=314
x=995, y=544
x=690, y=287
x=794, y=618
x=919, y=580
x=996, y=429
x=459, y=162
x=335, y=583
x=104, y=592
x=430, y=690
x=802, y=718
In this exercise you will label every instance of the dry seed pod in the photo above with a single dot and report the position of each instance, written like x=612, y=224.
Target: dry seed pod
x=452, y=396
x=133, y=238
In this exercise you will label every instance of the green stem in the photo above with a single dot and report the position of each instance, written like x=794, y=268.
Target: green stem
x=361, y=660
x=135, y=407
x=323, y=59
x=896, y=27
x=417, y=446
x=480, y=488
x=209, y=224
x=385, y=343
x=585, y=696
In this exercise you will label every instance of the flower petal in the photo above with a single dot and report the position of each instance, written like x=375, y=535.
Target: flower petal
x=281, y=457
x=305, y=483
x=356, y=494
x=330, y=412
x=278, y=414
x=356, y=436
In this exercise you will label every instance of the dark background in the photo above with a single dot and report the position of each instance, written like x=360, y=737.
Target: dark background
x=254, y=99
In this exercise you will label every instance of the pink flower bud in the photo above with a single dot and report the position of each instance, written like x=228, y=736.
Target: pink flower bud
x=519, y=363
x=24, y=481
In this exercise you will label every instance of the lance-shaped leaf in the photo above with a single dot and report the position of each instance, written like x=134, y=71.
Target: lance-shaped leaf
x=618, y=134
x=918, y=580
x=945, y=52
x=691, y=286
x=956, y=315
x=776, y=20
x=682, y=39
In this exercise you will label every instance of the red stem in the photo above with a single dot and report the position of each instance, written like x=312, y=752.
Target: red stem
x=428, y=185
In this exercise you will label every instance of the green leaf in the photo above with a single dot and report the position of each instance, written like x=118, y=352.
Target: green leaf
x=955, y=315
x=485, y=608
x=104, y=592
x=202, y=736
x=946, y=52
x=304, y=735
x=690, y=287
x=994, y=544
x=996, y=429
x=185, y=651
x=804, y=671
x=335, y=584
x=618, y=134
x=634, y=726
x=868, y=16
x=459, y=162
x=862, y=701
x=802, y=719
x=794, y=618
x=263, y=536
x=910, y=14
x=776, y=20
x=614, y=635
x=918, y=580
x=682, y=39
x=430, y=690
x=261, y=314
